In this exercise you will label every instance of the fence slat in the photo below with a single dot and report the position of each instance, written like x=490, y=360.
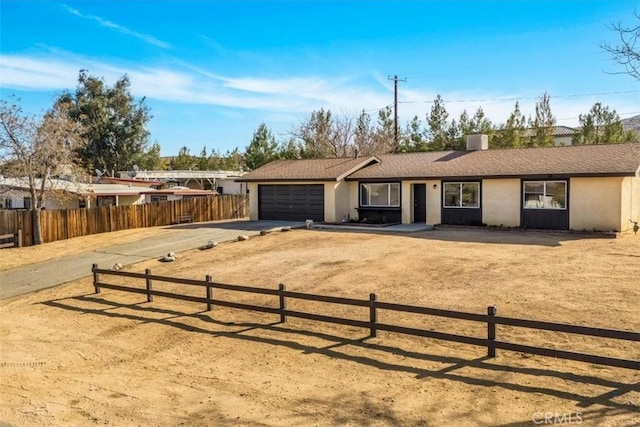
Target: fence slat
x=283, y=302
x=491, y=331
x=149, y=284
x=208, y=279
x=373, y=315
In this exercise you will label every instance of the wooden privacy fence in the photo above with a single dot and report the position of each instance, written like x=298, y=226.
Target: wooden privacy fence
x=491, y=320
x=68, y=223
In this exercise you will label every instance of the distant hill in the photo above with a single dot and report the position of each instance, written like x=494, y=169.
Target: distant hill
x=631, y=123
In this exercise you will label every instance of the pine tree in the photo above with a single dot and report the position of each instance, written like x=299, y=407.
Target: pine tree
x=601, y=126
x=542, y=125
x=437, y=125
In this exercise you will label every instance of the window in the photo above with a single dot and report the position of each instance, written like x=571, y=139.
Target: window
x=387, y=194
x=26, y=202
x=461, y=194
x=106, y=201
x=545, y=195
x=156, y=199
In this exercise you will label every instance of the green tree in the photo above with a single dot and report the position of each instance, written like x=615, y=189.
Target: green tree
x=511, y=134
x=203, y=160
x=413, y=139
x=150, y=159
x=35, y=149
x=383, y=136
x=542, y=125
x=233, y=160
x=262, y=149
x=289, y=150
x=114, y=122
x=184, y=161
x=438, y=125
x=601, y=126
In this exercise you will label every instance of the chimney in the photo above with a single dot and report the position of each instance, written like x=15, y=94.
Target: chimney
x=477, y=142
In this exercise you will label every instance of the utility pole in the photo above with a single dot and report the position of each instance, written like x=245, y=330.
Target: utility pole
x=395, y=108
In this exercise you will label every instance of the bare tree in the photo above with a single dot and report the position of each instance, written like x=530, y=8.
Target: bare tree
x=33, y=150
x=627, y=52
x=324, y=135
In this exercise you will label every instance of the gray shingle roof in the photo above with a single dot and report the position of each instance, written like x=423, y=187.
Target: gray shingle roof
x=583, y=160
x=307, y=169
x=557, y=131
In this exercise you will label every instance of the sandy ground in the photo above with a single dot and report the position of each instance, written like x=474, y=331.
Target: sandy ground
x=71, y=357
x=17, y=257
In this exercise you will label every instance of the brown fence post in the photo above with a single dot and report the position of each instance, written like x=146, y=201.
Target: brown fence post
x=18, y=240
x=147, y=273
x=491, y=331
x=96, y=278
x=209, y=280
x=283, y=302
x=373, y=316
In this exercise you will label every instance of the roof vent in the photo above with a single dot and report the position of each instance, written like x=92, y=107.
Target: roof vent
x=477, y=142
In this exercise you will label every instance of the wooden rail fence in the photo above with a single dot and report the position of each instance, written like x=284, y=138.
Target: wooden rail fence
x=11, y=240
x=491, y=319
x=68, y=223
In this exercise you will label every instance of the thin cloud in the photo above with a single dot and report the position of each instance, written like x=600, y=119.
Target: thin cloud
x=277, y=97
x=124, y=30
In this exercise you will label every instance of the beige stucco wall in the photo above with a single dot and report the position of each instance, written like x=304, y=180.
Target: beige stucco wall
x=342, y=196
x=130, y=200
x=630, y=205
x=501, y=202
x=253, y=200
x=434, y=202
x=406, y=201
x=596, y=203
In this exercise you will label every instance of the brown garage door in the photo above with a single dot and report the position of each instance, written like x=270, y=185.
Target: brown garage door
x=295, y=202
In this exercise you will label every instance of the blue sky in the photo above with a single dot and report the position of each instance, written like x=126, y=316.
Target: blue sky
x=212, y=71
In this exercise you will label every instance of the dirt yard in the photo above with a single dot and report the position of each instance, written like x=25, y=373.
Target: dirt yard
x=72, y=357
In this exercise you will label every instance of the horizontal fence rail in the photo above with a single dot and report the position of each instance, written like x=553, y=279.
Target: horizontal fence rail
x=490, y=319
x=11, y=240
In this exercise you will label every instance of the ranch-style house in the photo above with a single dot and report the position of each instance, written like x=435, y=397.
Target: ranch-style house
x=587, y=187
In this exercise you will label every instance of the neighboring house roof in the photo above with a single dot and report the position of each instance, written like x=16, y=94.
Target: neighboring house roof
x=125, y=181
x=79, y=188
x=557, y=131
x=182, y=192
x=581, y=160
x=184, y=174
x=334, y=169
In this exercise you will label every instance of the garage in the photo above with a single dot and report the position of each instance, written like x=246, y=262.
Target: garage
x=295, y=202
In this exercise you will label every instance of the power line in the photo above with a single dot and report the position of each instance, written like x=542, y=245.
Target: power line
x=523, y=97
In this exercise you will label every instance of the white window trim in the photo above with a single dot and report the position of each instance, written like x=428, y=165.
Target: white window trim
x=444, y=187
x=388, y=205
x=544, y=193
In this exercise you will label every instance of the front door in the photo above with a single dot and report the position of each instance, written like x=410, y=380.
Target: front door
x=420, y=203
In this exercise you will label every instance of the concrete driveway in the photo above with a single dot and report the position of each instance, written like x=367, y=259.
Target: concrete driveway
x=181, y=238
